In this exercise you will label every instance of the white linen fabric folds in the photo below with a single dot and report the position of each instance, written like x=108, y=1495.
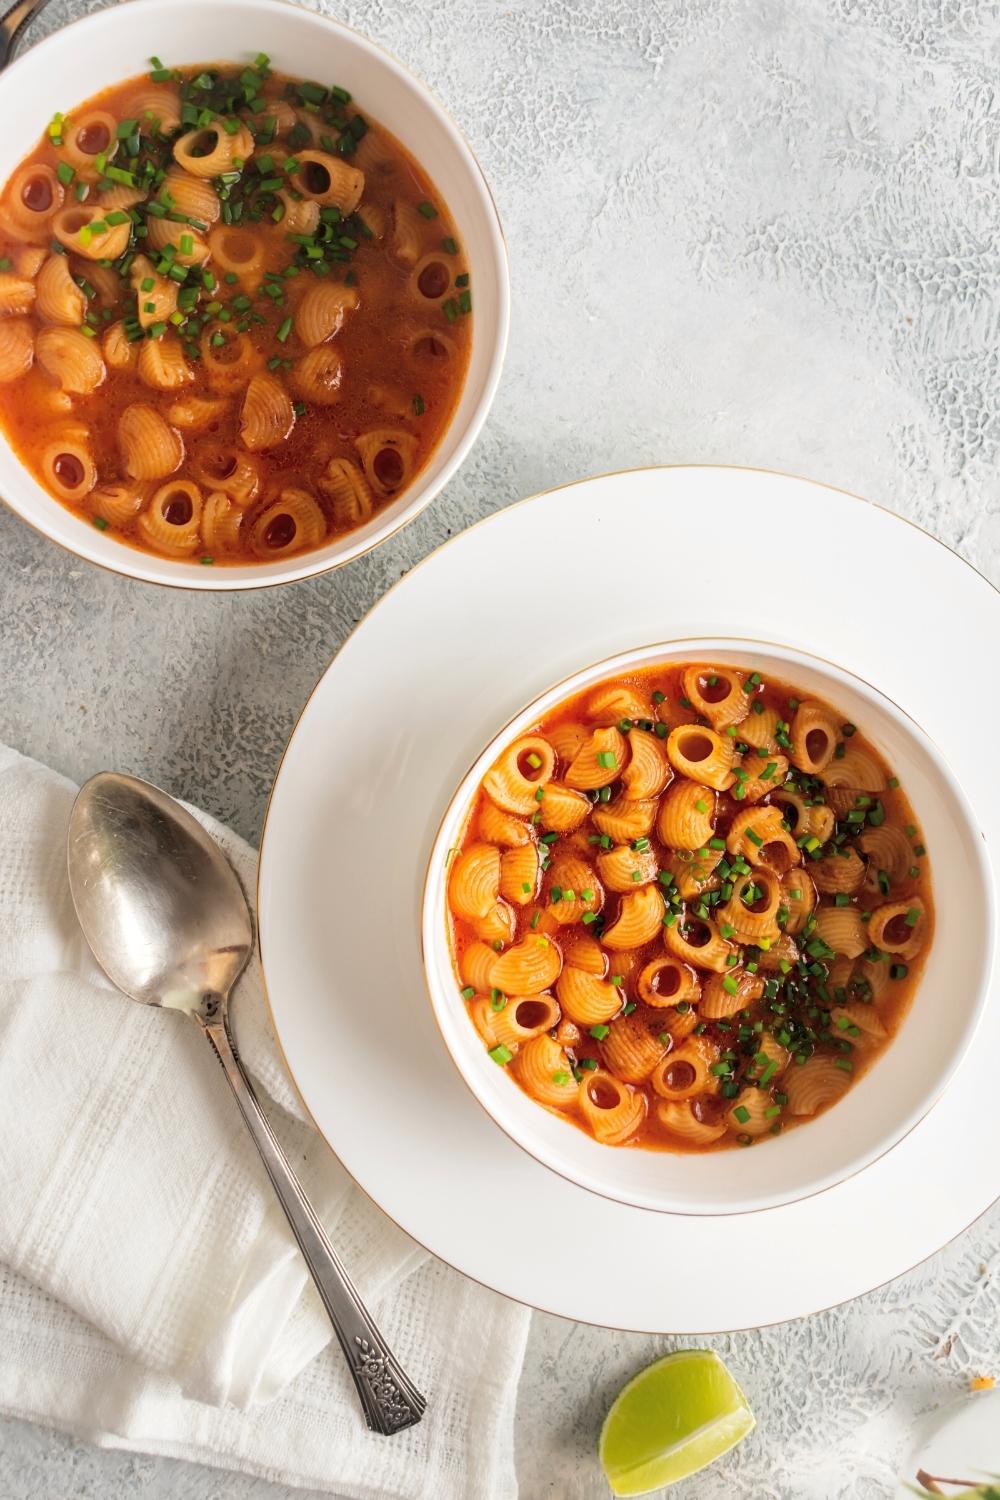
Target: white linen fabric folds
x=151, y=1295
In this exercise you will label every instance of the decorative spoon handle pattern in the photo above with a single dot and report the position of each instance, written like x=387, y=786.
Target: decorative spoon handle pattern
x=390, y=1400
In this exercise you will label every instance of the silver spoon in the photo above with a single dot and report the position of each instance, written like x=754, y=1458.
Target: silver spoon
x=168, y=922
x=12, y=24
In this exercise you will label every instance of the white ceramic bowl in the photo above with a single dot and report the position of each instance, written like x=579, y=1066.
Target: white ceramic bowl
x=115, y=44
x=886, y=1102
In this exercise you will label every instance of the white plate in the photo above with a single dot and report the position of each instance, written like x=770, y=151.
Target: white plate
x=437, y=668
x=961, y=1442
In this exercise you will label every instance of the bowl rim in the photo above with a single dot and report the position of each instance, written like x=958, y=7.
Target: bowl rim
x=299, y=569
x=646, y=653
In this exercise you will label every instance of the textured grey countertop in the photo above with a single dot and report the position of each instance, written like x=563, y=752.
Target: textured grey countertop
x=743, y=231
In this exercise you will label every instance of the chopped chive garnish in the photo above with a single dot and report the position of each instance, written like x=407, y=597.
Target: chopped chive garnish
x=468, y=993
x=284, y=330
x=599, y=1032
x=501, y=1055
x=427, y=209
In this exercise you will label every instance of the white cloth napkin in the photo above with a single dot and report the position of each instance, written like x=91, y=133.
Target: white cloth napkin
x=151, y=1296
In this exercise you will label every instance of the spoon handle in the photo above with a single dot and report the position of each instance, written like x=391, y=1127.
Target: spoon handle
x=390, y=1400
x=12, y=21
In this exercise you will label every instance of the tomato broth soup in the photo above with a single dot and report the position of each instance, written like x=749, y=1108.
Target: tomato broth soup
x=235, y=315
x=689, y=908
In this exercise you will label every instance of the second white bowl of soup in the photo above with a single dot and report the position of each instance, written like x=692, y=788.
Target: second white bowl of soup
x=707, y=928
x=256, y=292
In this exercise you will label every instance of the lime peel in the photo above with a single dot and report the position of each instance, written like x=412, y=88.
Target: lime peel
x=670, y=1421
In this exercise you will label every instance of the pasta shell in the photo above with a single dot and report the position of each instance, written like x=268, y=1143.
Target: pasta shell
x=524, y=1017
x=33, y=196
x=561, y=810
x=888, y=849
x=72, y=228
x=567, y=740
x=613, y=1111
x=162, y=364
x=293, y=523
x=67, y=467
x=497, y=926
x=752, y=909
x=758, y=777
x=622, y=821
x=316, y=376
x=475, y=964
x=149, y=448
x=388, y=457
x=648, y=770
x=407, y=233
x=266, y=416
x=221, y=523
x=346, y=489
x=842, y=929
x=684, y=1072
x=223, y=466
x=195, y=413
x=17, y=348
x=157, y=110
x=613, y=701
x=758, y=835
x=698, y=941
x=753, y=1118
x=519, y=874
x=760, y=730
x=814, y=1084
x=581, y=951
x=430, y=280
x=692, y=871
x=864, y=1018
x=498, y=827
x=156, y=295
x=599, y=761
x=17, y=293
x=321, y=312
x=814, y=738
x=86, y=137
x=543, y=1070
x=228, y=358
x=667, y=981
x=189, y=247
x=677, y=1119
x=191, y=195
x=118, y=504
x=842, y=871
x=301, y=215
x=726, y=994
x=521, y=770
x=170, y=522
x=856, y=768
x=573, y=889
x=27, y=260
x=530, y=966
x=624, y=868
x=899, y=927
x=374, y=217
x=640, y=916
x=631, y=1050
x=798, y=898
x=687, y=815
x=474, y=883
x=701, y=755
x=587, y=998
x=120, y=353
x=717, y=694
x=71, y=359
x=208, y=151
x=328, y=180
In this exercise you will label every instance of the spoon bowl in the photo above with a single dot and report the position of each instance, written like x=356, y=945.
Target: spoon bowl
x=160, y=905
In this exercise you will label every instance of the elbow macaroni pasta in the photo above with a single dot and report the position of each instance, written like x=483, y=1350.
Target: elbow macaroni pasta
x=669, y=947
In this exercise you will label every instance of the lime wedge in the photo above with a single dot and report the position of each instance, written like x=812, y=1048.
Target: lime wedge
x=670, y=1421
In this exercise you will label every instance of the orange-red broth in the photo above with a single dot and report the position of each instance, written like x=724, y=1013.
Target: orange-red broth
x=807, y=992
x=404, y=349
